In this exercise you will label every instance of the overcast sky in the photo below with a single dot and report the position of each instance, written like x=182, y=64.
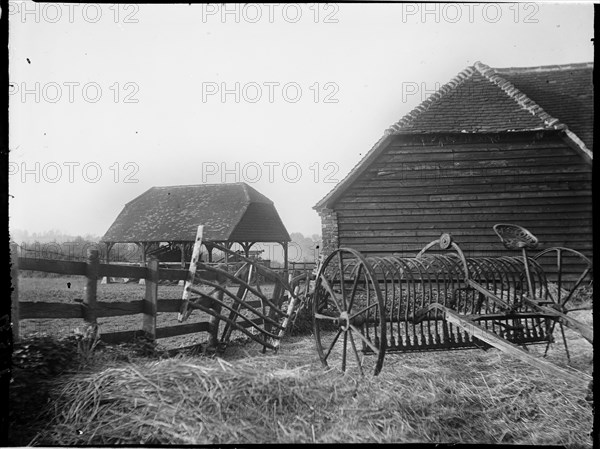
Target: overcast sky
x=109, y=100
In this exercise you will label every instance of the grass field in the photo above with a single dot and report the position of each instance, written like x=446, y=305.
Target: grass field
x=245, y=396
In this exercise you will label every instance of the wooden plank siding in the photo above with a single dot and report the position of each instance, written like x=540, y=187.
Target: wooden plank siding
x=416, y=190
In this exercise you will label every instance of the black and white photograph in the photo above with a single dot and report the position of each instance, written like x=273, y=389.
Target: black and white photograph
x=255, y=223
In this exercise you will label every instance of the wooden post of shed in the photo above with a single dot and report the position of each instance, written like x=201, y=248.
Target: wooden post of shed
x=285, y=259
x=91, y=287
x=182, y=247
x=14, y=294
x=151, y=298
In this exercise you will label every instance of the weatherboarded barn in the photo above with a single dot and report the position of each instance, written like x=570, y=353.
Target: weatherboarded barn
x=231, y=213
x=492, y=146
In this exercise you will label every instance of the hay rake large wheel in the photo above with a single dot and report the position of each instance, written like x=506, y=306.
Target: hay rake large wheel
x=557, y=261
x=561, y=288
x=348, y=312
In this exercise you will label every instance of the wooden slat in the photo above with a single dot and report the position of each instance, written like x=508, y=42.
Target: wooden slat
x=52, y=266
x=388, y=180
x=119, y=337
x=53, y=310
x=572, y=226
x=406, y=179
x=492, y=217
x=190, y=328
x=246, y=324
x=172, y=274
x=433, y=192
x=47, y=310
x=168, y=305
x=565, y=205
x=409, y=206
x=122, y=271
x=490, y=201
x=254, y=304
x=110, y=309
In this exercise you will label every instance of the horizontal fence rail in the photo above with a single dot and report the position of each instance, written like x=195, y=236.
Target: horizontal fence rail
x=90, y=309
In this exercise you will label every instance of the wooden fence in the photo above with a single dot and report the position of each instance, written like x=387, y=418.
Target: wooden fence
x=90, y=309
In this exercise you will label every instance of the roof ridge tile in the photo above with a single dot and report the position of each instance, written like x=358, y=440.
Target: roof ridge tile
x=521, y=98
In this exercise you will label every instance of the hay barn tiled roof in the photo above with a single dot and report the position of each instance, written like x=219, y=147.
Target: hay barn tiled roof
x=232, y=212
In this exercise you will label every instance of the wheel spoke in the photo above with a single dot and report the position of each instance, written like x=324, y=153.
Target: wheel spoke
x=559, y=273
x=364, y=310
x=353, y=293
x=333, y=343
x=325, y=317
x=342, y=287
x=364, y=339
x=329, y=289
x=344, y=347
x=359, y=363
x=562, y=331
x=577, y=284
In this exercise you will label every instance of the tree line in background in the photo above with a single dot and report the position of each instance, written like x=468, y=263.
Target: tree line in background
x=54, y=244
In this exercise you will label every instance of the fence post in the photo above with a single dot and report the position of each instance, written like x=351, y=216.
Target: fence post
x=14, y=295
x=150, y=299
x=91, y=287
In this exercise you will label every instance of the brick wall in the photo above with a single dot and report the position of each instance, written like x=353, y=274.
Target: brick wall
x=329, y=229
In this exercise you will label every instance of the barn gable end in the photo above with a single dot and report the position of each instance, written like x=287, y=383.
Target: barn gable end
x=476, y=153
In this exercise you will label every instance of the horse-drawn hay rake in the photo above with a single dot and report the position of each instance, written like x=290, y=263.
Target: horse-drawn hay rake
x=437, y=300
x=442, y=300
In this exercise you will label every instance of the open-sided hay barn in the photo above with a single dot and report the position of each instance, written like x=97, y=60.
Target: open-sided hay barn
x=231, y=213
x=510, y=145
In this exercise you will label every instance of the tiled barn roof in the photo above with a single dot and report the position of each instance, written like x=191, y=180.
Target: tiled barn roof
x=229, y=212
x=481, y=99
x=564, y=91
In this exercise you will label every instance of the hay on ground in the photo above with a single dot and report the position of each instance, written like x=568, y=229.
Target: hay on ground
x=458, y=397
